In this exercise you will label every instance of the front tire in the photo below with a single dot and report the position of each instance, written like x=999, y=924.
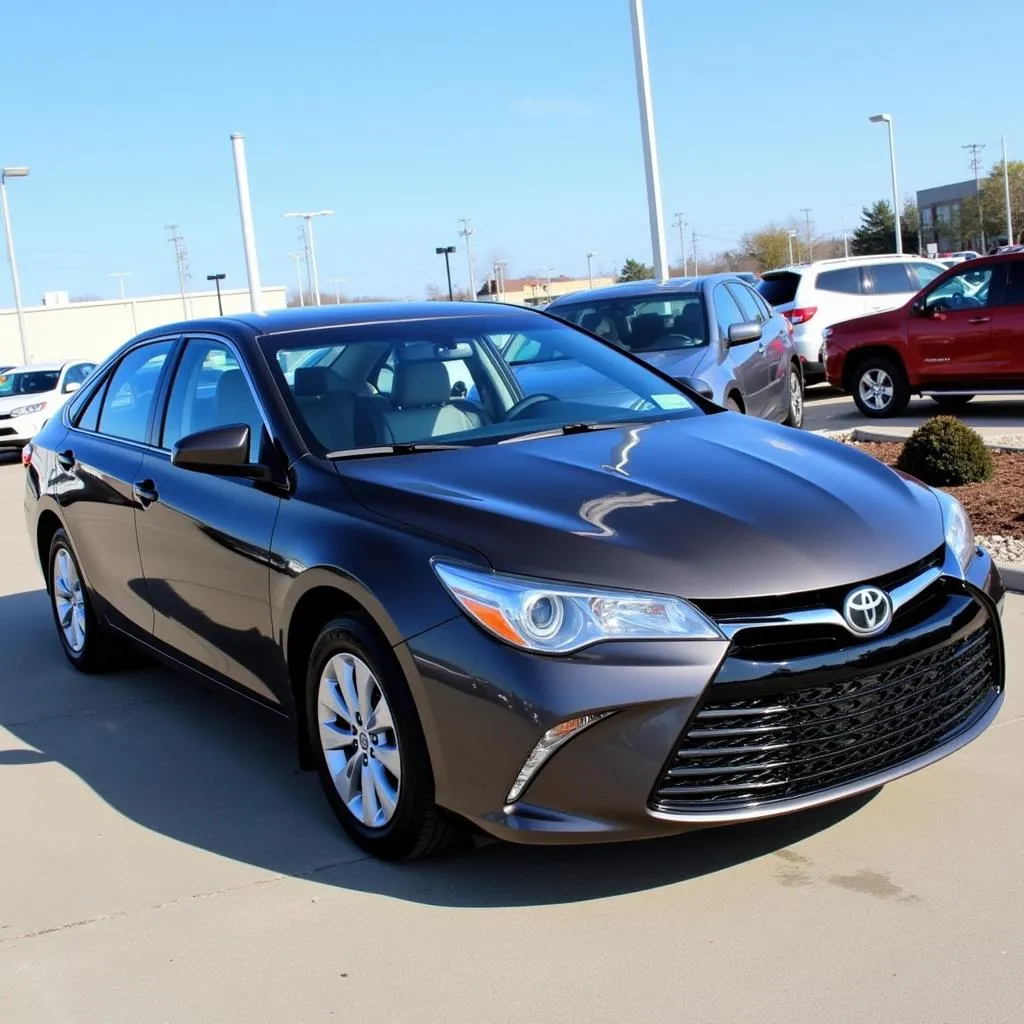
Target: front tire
x=368, y=745
x=795, y=410
x=86, y=643
x=880, y=388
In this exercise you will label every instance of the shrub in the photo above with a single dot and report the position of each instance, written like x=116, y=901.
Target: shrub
x=945, y=452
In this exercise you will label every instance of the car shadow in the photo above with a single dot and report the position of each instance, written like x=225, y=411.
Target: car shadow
x=209, y=769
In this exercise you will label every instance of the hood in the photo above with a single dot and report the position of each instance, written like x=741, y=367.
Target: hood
x=887, y=322
x=714, y=506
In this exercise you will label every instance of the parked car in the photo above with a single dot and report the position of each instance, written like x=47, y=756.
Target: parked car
x=550, y=619
x=816, y=295
x=961, y=336
x=30, y=395
x=715, y=333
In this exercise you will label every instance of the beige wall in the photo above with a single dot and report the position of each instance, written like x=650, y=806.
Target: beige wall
x=92, y=330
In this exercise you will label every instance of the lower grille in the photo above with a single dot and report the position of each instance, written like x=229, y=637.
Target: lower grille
x=743, y=752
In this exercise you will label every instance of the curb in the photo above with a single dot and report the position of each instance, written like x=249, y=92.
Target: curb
x=1013, y=577
x=880, y=437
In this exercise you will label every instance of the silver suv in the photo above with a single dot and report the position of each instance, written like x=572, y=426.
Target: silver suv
x=813, y=296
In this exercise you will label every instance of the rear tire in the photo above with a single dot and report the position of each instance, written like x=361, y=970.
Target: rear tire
x=368, y=745
x=951, y=403
x=732, y=405
x=879, y=386
x=795, y=410
x=87, y=644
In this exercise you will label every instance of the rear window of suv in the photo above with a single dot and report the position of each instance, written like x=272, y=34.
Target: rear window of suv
x=845, y=280
x=779, y=288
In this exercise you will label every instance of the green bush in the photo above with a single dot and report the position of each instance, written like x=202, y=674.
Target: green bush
x=945, y=452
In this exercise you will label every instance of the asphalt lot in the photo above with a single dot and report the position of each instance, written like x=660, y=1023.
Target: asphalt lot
x=163, y=860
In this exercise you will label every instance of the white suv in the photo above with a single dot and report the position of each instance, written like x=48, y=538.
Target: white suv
x=817, y=295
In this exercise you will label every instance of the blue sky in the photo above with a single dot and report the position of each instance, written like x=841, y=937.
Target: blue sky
x=404, y=116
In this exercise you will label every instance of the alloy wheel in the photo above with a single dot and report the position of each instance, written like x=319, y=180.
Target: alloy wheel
x=876, y=389
x=796, y=399
x=359, y=740
x=69, y=600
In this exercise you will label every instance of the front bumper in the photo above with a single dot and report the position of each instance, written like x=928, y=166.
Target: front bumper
x=17, y=432
x=484, y=706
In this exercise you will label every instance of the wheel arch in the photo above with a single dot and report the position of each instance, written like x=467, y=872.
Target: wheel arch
x=857, y=358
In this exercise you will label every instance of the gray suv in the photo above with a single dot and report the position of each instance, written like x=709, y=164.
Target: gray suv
x=714, y=333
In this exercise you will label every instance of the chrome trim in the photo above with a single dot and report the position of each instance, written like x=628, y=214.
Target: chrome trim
x=771, y=810
x=900, y=596
x=975, y=391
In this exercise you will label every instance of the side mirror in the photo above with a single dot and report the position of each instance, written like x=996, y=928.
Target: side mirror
x=742, y=334
x=223, y=450
x=702, y=387
x=70, y=386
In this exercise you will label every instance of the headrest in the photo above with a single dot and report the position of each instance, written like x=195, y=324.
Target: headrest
x=232, y=387
x=691, y=321
x=421, y=382
x=647, y=328
x=312, y=381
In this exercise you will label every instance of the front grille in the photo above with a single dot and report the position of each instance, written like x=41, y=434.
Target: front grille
x=792, y=743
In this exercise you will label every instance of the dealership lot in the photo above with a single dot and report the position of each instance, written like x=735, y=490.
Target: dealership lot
x=163, y=860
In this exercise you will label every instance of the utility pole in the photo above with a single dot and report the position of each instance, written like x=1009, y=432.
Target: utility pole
x=806, y=211
x=547, y=271
x=337, y=282
x=1006, y=190
x=590, y=269
x=693, y=249
x=680, y=223
x=499, y=273
x=976, y=149
x=181, y=258
x=467, y=231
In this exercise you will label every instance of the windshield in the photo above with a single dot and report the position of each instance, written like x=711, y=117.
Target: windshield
x=445, y=380
x=29, y=382
x=641, y=325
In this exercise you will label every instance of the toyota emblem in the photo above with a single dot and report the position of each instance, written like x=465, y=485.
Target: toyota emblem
x=867, y=611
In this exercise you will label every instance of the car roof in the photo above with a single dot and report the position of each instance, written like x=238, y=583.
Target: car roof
x=851, y=261
x=280, y=321
x=642, y=289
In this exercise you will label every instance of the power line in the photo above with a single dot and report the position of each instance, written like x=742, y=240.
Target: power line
x=181, y=258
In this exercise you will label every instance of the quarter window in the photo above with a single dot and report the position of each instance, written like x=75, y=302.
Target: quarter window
x=845, y=280
x=748, y=307
x=924, y=272
x=727, y=312
x=130, y=394
x=210, y=390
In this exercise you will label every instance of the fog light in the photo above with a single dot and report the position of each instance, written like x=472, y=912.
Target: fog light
x=549, y=743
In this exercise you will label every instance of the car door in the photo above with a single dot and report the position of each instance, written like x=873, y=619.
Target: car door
x=950, y=332
x=204, y=539
x=98, y=462
x=748, y=361
x=1007, y=311
x=889, y=286
x=776, y=396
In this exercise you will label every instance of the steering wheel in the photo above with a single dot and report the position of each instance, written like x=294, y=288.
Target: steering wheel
x=957, y=299
x=528, y=403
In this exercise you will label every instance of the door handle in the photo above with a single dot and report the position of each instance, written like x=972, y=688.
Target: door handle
x=980, y=320
x=146, y=492
x=66, y=460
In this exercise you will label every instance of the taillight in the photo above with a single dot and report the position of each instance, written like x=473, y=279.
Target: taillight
x=801, y=315
x=26, y=455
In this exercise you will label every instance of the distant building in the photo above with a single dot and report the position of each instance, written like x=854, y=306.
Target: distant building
x=944, y=220
x=537, y=291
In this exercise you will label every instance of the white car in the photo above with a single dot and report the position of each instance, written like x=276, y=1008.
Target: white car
x=817, y=295
x=29, y=396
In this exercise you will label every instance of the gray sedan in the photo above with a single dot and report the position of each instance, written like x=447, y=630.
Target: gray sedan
x=715, y=333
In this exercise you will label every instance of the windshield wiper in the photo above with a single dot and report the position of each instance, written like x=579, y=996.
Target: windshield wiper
x=405, y=448
x=572, y=428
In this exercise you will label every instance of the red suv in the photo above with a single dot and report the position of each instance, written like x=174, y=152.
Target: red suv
x=960, y=336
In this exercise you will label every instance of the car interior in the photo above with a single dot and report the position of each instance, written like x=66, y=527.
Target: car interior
x=656, y=326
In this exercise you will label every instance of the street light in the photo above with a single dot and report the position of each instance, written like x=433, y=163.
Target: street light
x=297, y=256
x=887, y=119
x=216, y=279
x=446, y=251
x=314, y=280
x=5, y=173
x=121, y=275
x=792, y=235
x=590, y=275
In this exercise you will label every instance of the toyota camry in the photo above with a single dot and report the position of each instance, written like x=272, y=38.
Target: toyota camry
x=547, y=617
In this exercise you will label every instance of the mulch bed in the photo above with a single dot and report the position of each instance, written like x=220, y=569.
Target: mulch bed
x=996, y=507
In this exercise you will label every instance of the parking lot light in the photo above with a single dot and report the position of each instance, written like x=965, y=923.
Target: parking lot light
x=5, y=173
x=446, y=251
x=887, y=119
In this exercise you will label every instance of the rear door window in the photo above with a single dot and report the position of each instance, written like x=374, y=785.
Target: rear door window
x=845, y=280
x=132, y=389
x=779, y=288
x=1013, y=295
x=745, y=300
x=891, y=279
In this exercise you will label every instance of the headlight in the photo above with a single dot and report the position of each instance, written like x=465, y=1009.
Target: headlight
x=27, y=410
x=957, y=525
x=555, y=618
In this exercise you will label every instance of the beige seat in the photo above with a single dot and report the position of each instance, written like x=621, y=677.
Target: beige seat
x=423, y=405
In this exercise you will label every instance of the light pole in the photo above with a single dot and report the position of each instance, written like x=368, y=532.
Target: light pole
x=314, y=280
x=252, y=267
x=547, y=271
x=298, y=257
x=446, y=251
x=216, y=279
x=120, y=280
x=5, y=173
x=791, y=236
x=643, y=88
x=590, y=273
x=1006, y=190
x=337, y=282
x=887, y=119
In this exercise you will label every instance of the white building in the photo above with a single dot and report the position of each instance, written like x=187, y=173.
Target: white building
x=59, y=329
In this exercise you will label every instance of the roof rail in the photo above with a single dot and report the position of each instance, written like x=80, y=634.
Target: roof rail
x=875, y=256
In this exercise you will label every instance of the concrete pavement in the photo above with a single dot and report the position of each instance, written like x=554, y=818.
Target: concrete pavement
x=163, y=861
